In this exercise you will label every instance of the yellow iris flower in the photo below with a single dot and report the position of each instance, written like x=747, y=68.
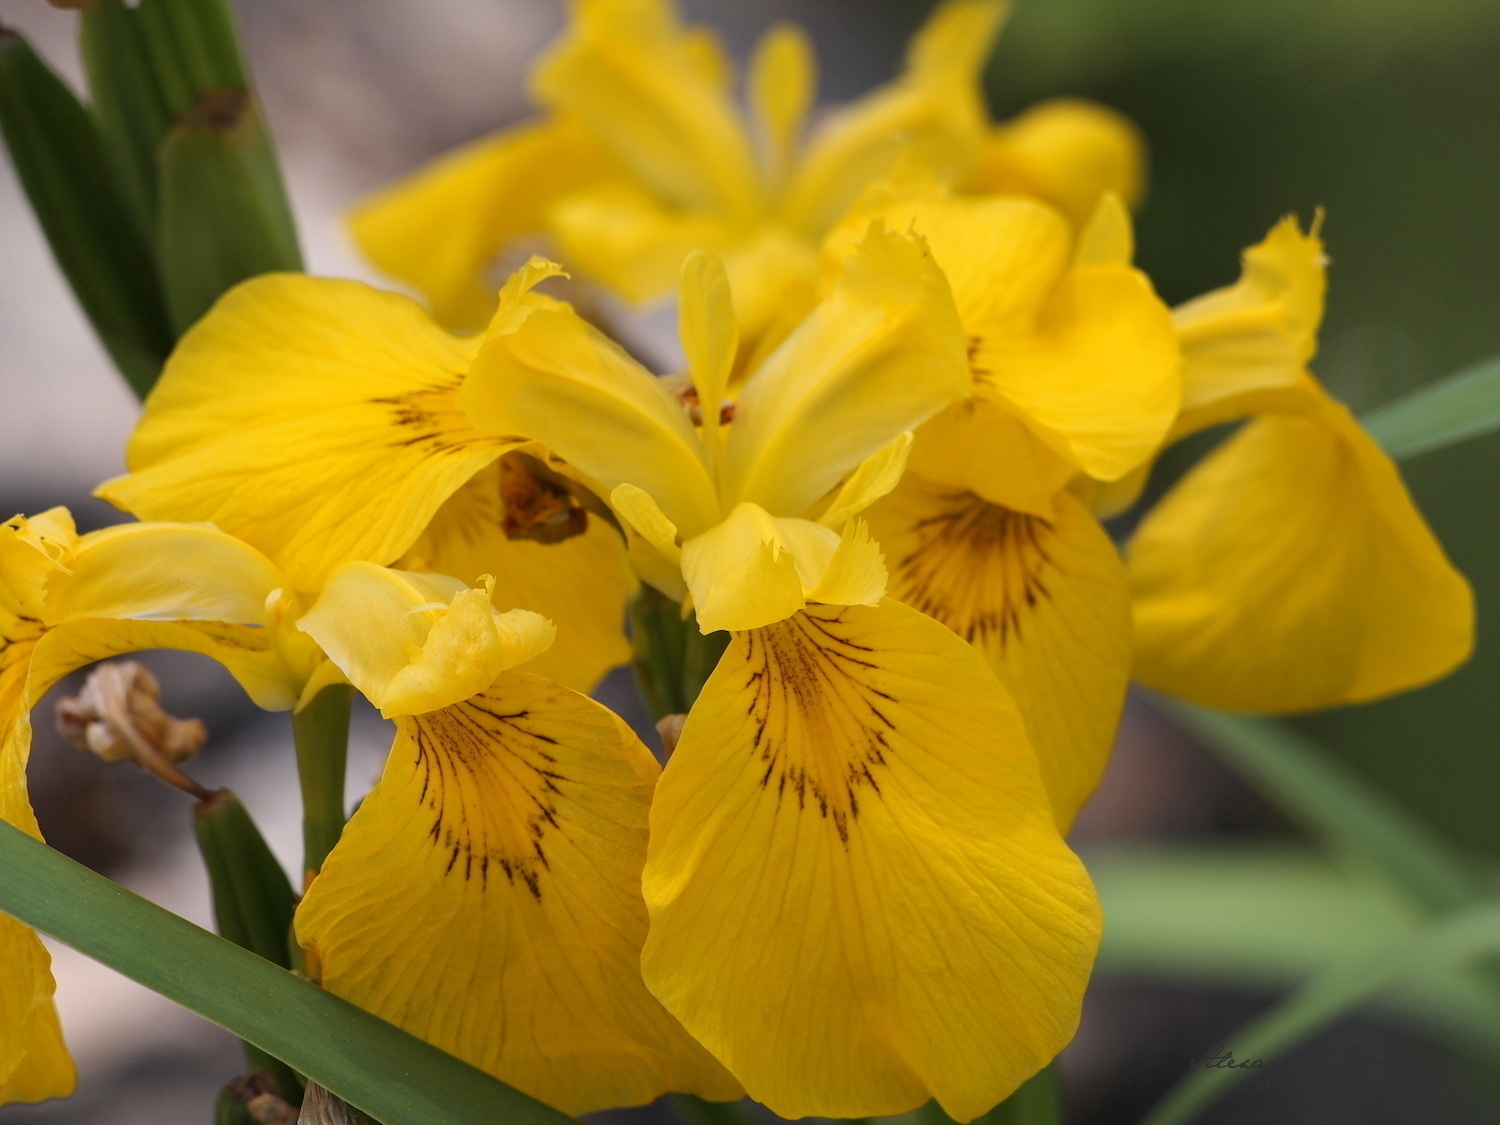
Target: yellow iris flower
x=1075, y=372
x=67, y=600
x=315, y=420
x=645, y=155
x=495, y=868
x=858, y=897
x=1290, y=569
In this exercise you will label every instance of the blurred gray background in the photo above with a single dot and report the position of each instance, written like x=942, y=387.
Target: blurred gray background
x=1387, y=112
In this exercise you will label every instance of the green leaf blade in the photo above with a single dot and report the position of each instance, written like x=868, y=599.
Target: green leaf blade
x=1462, y=406
x=393, y=1076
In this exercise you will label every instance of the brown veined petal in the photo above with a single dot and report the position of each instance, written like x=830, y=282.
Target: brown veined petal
x=580, y=582
x=858, y=897
x=486, y=897
x=312, y=418
x=1045, y=599
x=1290, y=570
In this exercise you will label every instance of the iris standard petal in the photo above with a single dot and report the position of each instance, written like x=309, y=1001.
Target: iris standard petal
x=486, y=897
x=858, y=897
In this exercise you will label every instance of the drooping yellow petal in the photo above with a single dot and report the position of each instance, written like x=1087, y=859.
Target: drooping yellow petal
x=442, y=229
x=486, y=897
x=1066, y=151
x=782, y=84
x=580, y=583
x=1256, y=335
x=636, y=78
x=1085, y=354
x=1290, y=570
x=563, y=382
x=934, y=115
x=359, y=384
x=412, y=643
x=1045, y=599
x=881, y=355
x=853, y=799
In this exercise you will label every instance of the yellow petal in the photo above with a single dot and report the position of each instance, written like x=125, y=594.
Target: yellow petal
x=934, y=115
x=636, y=78
x=167, y=572
x=855, y=574
x=710, y=338
x=442, y=229
x=1086, y=354
x=563, y=382
x=880, y=356
x=630, y=242
x=876, y=476
x=1067, y=151
x=35, y=557
x=580, y=583
x=986, y=447
x=359, y=383
x=1290, y=570
x=782, y=84
x=1043, y=598
x=753, y=569
x=413, y=643
x=1108, y=238
x=858, y=898
x=1255, y=335
x=486, y=897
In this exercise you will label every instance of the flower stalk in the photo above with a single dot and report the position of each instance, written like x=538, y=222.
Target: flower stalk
x=321, y=733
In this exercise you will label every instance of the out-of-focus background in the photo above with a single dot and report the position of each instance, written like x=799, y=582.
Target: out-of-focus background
x=1384, y=112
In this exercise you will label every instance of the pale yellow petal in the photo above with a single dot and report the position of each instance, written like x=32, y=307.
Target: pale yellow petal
x=636, y=78
x=881, y=355
x=310, y=417
x=934, y=115
x=855, y=573
x=782, y=84
x=580, y=583
x=1108, y=238
x=753, y=569
x=442, y=229
x=1067, y=151
x=563, y=382
x=986, y=447
x=1043, y=597
x=876, y=476
x=1290, y=570
x=413, y=642
x=858, y=898
x=710, y=338
x=486, y=897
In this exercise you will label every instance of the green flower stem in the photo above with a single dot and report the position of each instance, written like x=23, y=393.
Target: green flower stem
x=673, y=659
x=321, y=731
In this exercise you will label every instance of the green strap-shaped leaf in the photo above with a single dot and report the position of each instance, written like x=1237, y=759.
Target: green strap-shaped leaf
x=1299, y=777
x=1462, y=406
x=97, y=243
x=392, y=1076
x=1445, y=944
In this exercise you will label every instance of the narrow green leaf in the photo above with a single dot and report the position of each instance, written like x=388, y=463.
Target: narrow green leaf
x=253, y=900
x=223, y=214
x=1299, y=777
x=1447, y=943
x=129, y=103
x=392, y=1076
x=1462, y=406
x=61, y=163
